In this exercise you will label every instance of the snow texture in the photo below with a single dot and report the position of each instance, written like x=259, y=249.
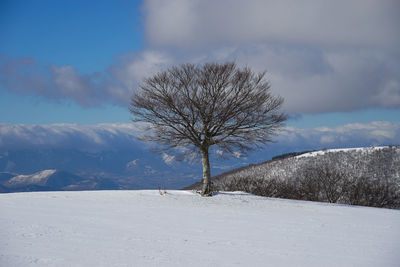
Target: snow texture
x=323, y=152
x=180, y=228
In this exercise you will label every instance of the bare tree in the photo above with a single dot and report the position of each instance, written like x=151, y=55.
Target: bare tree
x=193, y=107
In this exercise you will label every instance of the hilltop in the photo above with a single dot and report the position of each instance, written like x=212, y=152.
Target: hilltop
x=363, y=176
x=180, y=228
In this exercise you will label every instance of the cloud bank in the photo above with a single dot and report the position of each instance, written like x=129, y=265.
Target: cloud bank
x=102, y=137
x=202, y=22
x=97, y=137
x=321, y=55
x=59, y=83
x=349, y=135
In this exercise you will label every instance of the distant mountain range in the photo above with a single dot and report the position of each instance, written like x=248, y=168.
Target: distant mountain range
x=127, y=170
x=131, y=168
x=120, y=169
x=51, y=180
x=112, y=152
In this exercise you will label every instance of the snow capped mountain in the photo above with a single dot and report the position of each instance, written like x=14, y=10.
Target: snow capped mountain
x=46, y=180
x=39, y=178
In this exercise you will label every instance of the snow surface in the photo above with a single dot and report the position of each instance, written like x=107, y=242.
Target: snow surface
x=38, y=178
x=322, y=152
x=144, y=228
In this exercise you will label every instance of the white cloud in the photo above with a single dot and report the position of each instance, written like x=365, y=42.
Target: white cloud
x=186, y=23
x=348, y=135
x=168, y=159
x=113, y=86
x=237, y=154
x=123, y=136
x=131, y=164
x=326, y=139
x=389, y=95
x=132, y=68
x=82, y=137
x=321, y=55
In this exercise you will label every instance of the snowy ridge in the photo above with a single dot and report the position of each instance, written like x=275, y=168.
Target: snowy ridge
x=369, y=166
x=144, y=228
x=38, y=178
x=323, y=152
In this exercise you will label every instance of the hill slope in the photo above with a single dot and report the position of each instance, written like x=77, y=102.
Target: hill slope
x=144, y=228
x=370, y=161
x=363, y=176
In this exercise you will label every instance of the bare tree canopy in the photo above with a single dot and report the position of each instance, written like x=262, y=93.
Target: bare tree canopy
x=198, y=106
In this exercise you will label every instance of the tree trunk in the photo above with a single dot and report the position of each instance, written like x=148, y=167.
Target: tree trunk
x=205, y=160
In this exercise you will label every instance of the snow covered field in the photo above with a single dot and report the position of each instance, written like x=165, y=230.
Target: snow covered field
x=144, y=228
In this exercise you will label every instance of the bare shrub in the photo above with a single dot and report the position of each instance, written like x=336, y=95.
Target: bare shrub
x=288, y=189
x=382, y=193
x=269, y=189
x=261, y=187
x=309, y=186
x=324, y=185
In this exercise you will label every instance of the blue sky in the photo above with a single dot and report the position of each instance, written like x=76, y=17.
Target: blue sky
x=335, y=62
x=84, y=34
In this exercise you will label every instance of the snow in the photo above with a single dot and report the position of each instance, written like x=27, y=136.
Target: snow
x=38, y=178
x=168, y=159
x=131, y=164
x=144, y=228
x=322, y=152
